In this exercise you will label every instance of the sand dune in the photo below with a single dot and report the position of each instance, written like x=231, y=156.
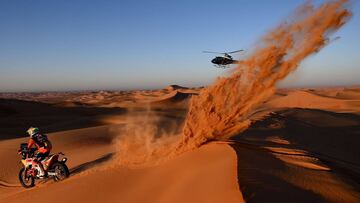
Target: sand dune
x=17, y=115
x=185, y=179
x=90, y=147
x=313, y=100
x=288, y=177
x=304, y=151
x=174, y=99
x=235, y=142
x=175, y=87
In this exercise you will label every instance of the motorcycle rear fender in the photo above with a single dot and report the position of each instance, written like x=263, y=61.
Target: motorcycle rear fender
x=48, y=162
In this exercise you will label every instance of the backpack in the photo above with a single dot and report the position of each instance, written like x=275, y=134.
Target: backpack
x=42, y=140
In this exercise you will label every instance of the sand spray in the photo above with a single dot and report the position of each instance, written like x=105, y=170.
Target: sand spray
x=142, y=142
x=223, y=108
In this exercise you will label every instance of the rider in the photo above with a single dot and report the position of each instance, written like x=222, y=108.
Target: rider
x=42, y=144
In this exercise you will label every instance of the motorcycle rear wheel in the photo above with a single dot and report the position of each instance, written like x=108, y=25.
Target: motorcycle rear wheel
x=61, y=171
x=26, y=180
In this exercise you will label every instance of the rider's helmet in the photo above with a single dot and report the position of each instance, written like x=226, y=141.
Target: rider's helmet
x=32, y=131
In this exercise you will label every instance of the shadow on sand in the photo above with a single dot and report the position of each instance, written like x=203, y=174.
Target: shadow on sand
x=331, y=137
x=87, y=165
x=259, y=182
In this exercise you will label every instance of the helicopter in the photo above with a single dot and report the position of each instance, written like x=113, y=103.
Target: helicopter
x=223, y=61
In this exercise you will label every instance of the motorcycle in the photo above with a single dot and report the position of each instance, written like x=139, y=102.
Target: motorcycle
x=52, y=165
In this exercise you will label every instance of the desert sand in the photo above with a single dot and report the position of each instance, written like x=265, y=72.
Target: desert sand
x=301, y=146
x=237, y=140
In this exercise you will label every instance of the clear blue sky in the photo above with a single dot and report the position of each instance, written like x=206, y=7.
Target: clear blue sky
x=76, y=45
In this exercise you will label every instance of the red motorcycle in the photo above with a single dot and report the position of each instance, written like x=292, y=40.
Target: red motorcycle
x=53, y=167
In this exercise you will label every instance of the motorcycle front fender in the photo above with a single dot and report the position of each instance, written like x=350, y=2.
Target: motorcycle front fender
x=23, y=162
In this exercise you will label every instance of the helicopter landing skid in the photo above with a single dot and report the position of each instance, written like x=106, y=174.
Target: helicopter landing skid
x=222, y=66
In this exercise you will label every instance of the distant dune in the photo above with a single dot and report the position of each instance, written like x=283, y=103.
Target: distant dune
x=175, y=87
x=17, y=115
x=319, y=100
x=174, y=98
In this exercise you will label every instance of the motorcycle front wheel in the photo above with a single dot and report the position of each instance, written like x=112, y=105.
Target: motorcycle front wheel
x=61, y=171
x=26, y=180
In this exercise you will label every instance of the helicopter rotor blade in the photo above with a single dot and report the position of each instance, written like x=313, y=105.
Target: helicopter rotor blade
x=231, y=52
x=212, y=52
x=235, y=51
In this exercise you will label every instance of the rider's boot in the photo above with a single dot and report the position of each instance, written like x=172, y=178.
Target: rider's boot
x=41, y=171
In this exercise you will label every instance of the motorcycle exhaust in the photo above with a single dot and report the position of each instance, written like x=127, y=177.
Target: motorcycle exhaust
x=51, y=173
